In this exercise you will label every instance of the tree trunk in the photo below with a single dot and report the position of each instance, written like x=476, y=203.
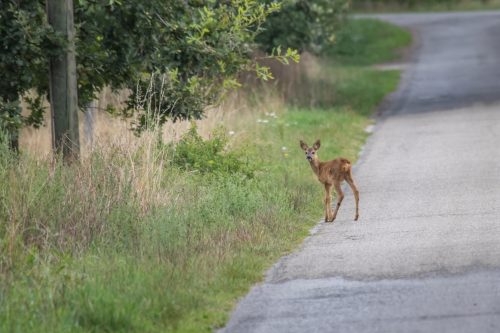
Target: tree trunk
x=63, y=86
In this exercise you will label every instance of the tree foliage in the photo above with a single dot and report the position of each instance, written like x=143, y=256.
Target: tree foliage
x=175, y=56
x=26, y=42
x=304, y=25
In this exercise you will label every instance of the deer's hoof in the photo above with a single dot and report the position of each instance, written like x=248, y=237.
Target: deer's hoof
x=356, y=217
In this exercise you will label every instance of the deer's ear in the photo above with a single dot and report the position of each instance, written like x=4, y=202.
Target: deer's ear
x=303, y=145
x=317, y=144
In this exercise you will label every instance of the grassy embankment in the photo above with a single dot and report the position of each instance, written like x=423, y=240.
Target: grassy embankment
x=396, y=6
x=140, y=237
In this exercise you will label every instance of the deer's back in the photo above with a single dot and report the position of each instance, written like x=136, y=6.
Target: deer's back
x=336, y=169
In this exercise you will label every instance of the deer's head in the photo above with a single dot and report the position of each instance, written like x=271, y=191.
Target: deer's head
x=310, y=151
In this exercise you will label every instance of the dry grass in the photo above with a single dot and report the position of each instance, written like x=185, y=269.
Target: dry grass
x=115, y=131
x=250, y=102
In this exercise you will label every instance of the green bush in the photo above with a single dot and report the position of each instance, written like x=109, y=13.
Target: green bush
x=305, y=25
x=192, y=153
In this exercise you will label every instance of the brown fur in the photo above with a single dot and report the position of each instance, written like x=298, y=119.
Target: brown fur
x=331, y=174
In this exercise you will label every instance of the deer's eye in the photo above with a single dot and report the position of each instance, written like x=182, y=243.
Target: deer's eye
x=306, y=152
x=313, y=153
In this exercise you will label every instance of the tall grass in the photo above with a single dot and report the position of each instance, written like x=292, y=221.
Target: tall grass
x=126, y=240
x=142, y=236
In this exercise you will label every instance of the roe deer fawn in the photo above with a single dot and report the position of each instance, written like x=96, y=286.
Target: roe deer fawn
x=331, y=173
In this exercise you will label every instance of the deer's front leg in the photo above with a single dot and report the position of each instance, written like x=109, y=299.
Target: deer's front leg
x=328, y=203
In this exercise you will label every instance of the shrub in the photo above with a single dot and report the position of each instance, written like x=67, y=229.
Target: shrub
x=192, y=153
x=305, y=25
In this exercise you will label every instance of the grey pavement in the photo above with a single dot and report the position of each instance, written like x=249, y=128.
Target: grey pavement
x=425, y=254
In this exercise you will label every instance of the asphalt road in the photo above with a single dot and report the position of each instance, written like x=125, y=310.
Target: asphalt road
x=425, y=255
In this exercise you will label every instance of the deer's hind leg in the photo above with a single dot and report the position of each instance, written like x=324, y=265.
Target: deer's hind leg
x=328, y=203
x=340, y=197
x=355, y=191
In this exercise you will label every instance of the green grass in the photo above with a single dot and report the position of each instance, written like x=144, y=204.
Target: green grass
x=424, y=6
x=129, y=240
x=368, y=42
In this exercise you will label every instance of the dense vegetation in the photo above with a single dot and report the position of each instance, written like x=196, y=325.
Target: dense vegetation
x=143, y=236
x=179, y=55
x=304, y=25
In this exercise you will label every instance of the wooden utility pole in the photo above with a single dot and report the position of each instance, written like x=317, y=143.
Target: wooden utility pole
x=63, y=86
x=89, y=123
